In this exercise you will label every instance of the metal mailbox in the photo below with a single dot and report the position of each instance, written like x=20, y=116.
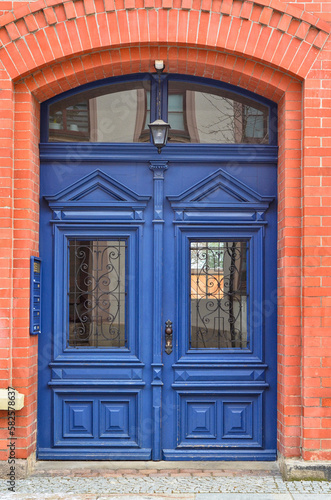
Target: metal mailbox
x=35, y=296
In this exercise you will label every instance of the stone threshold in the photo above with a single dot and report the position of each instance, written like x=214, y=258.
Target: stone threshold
x=90, y=468
x=290, y=468
x=207, y=466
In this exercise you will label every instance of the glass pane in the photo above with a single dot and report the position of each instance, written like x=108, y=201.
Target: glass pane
x=254, y=122
x=148, y=111
x=114, y=113
x=176, y=121
x=97, y=293
x=218, y=294
x=217, y=116
x=175, y=102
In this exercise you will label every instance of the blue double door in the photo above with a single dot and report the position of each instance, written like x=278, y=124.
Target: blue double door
x=159, y=307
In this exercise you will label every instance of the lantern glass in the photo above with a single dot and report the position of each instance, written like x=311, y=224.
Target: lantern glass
x=159, y=129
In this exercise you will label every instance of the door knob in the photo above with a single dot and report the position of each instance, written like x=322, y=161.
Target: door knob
x=168, y=337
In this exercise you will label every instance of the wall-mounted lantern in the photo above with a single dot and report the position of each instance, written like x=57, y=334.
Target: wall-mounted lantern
x=159, y=128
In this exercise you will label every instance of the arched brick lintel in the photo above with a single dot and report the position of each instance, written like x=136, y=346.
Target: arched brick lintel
x=269, y=32
x=236, y=70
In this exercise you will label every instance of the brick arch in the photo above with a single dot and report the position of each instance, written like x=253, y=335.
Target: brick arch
x=265, y=31
x=236, y=70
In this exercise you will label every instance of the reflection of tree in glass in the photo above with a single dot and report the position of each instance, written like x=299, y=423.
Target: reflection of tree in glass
x=229, y=121
x=213, y=254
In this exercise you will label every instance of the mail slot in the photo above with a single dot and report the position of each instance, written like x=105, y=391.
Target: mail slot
x=35, y=296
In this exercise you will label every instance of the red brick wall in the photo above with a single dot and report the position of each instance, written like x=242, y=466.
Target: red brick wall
x=5, y=7
x=316, y=258
x=6, y=241
x=270, y=47
x=321, y=8
x=26, y=221
x=289, y=271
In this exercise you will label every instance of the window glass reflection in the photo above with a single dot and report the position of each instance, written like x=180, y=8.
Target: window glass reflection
x=218, y=294
x=120, y=113
x=114, y=113
x=201, y=114
x=97, y=293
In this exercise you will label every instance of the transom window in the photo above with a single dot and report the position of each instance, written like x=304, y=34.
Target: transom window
x=121, y=112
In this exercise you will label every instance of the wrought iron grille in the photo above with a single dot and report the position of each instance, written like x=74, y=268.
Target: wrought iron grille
x=97, y=293
x=218, y=294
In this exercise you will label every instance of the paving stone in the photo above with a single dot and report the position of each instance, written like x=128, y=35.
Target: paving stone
x=169, y=471
x=311, y=496
x=129, y=471
x=243, y=496
x=222, y=473
x=191, y=483
x=160, y=474
x=147, y=471
x=180, y=474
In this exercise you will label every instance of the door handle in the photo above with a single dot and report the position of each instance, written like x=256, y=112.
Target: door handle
x=168, y=337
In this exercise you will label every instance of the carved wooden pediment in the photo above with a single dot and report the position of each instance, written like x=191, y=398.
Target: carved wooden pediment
x=219, y=196
x=97, y=196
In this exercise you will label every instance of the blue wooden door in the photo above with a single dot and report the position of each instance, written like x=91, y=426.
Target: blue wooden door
x=159, y=298
x=220, y=294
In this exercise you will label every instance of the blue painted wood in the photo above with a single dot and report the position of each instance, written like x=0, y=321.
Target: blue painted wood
x=158, y=168
x=91, y=454
x=138, y=402
x=84, y=381
x=238, y=154
x=94, y=189
x=232, y=454
x=194, y=215
x=231, y=418
x=220, y=190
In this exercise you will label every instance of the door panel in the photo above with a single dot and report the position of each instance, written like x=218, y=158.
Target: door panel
x=95, y=371
x=217, y=378
x=220, y=419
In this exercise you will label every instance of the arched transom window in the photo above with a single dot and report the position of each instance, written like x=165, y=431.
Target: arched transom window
x=197, y=112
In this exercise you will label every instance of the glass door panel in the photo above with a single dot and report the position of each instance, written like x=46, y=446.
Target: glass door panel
x=218, y=294
x=97, y=293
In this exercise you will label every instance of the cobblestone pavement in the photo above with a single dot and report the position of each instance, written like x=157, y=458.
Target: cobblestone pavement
x=207, y=483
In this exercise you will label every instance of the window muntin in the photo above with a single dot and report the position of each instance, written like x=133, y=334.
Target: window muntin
x=97, y=293
x=112, y=113
x=216, y=116
x=218, y=294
